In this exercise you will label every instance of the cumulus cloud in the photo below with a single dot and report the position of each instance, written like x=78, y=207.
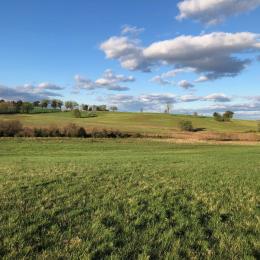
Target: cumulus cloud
x=189, y=98
x=160, y=81
x=158, y=101
x=185, y=84
x=109, y=81
x=202, y=79
x=217, y=97
x=29, y=92
x=163, y=78
x=127, y=51
x=212, y=55
x=212, y=12
x=49, y=86
x=132, y=30
x=149, y=102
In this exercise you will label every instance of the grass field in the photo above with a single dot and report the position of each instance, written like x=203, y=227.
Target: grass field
x=128, y=199
x=145, y=123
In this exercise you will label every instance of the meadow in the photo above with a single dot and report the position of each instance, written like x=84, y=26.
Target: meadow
x=128, y=199
x=144, y=123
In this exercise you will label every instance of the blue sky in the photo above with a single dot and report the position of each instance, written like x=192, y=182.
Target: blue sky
x=54, y=49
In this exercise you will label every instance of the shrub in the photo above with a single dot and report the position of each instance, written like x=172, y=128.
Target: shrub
x=15, y=128
x=73, y=130
x=218, y=117
x=41, y=132
x=82, y=132
x=76, y=113
x=109, y=134
x=54, y=132
x=26, y=132
x=186, y=125
x=10, y=128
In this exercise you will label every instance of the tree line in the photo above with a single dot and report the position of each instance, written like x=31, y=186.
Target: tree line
x=46, y=105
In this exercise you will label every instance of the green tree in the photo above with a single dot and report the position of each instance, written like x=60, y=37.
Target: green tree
x=36, y=103
x=71, y=105
x=44, y=103
x=113, y=108
x=59, y=103
x=27, y=107
x=228, y=115
x=217, y=116
x=84, y=107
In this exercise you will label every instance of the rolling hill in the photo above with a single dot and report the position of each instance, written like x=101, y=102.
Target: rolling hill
x=145, y=123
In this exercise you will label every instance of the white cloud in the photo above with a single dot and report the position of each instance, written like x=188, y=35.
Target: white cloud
x=189, y=98
x=217, y=97
x=127, y=51
x=163, y=78
x=109, y=81
x=213, y=55
x=160, y=81
x=201, y=79
x=214, y=11
x=49, y=86
x=185, y=84
x=132, y=30
x=148, y=102
x=158, y=101
x=29, y=92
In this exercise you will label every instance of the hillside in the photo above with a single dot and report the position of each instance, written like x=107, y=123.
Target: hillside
x=148, y=123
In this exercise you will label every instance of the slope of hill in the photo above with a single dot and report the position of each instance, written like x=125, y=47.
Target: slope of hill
x=147, y=123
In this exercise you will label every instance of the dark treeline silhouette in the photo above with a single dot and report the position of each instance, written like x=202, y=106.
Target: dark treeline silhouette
x=47, y=106
x=14, y=128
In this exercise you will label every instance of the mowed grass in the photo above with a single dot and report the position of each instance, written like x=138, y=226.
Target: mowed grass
x=145, y=123
x=128, y=199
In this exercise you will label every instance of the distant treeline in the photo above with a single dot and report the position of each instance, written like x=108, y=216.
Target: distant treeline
x=47, y=106
x=14, y=128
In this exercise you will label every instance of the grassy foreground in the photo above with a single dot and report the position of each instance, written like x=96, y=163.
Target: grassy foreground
x=128, y=199
x=145, y=123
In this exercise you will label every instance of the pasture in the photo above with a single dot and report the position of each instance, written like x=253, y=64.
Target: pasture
x=144, y=123
x=127, y=199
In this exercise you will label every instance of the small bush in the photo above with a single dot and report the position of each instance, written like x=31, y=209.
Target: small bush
x=41, y=132
x=186, y=125
x=54, y=132
x=10, y=128
x=15, y=128
x=76, y=113
x=109, y=134
x=26, y=132
x=73, y=130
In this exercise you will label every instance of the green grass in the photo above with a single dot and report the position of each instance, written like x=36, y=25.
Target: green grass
x=148, y=123
x=128, y=199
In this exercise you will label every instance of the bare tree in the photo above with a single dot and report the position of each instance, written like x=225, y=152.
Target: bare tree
x=169, y=107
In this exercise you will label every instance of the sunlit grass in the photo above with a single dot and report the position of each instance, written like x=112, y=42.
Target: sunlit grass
x=128, y=199
x=148, y=123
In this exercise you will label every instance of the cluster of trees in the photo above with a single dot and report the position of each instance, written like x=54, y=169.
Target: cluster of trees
x=226, y=117
x=12, y=107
